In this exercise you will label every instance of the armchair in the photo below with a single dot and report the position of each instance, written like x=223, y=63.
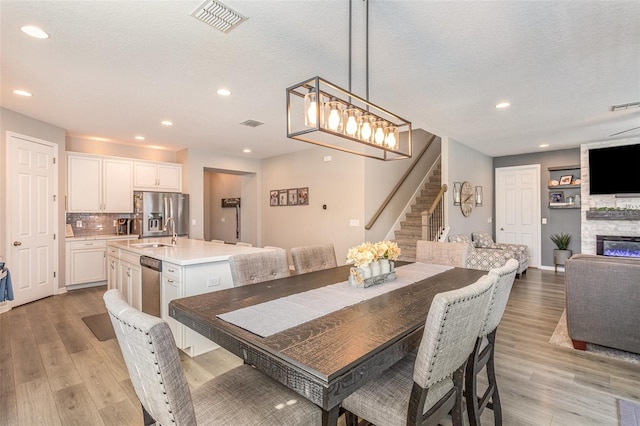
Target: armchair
x=519, y=251
x=484, y=259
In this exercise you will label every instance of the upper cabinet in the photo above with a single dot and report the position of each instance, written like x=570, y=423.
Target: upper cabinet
x=97, y=184
x=153, y=176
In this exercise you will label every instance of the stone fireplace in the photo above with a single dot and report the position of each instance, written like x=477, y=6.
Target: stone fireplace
x=618, y=246
x=592, y=227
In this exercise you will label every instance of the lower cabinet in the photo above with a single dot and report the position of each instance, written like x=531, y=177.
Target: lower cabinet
x=86, y=261
x=130, y=278
x=183, y=281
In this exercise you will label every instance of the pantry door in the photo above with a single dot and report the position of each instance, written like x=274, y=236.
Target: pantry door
x=518, y=208
x=32, y=216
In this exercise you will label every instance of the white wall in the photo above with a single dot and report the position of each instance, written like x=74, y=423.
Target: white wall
x=461, y=163
x=339, y=184
x=194, y=162
x=15, y=122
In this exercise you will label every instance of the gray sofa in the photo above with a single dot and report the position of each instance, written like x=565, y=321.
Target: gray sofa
x=603, y=301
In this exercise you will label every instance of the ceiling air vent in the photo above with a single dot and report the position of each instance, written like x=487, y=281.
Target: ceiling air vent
x=252, y=123
x=620, y=107
x=218, y=15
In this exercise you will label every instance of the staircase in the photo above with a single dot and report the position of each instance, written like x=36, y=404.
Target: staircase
x=411, y=228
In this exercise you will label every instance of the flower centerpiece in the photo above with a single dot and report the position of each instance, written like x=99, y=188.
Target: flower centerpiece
x=372, y=260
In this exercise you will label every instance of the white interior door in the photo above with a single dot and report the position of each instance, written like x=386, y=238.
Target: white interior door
x=32, y=217
x=518, y=208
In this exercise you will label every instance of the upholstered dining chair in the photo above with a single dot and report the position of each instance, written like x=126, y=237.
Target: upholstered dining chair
x=483, y=351
x=241, y=396
x=427, y=385
x=441, y=253
x=252, y=268
x=313, y=258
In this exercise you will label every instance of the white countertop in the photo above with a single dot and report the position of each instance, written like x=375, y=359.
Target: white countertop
x=186, y=251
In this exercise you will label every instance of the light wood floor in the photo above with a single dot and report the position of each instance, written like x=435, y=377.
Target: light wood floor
x=53, y=371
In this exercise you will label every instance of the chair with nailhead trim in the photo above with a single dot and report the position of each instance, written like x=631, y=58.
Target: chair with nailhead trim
x=482, y=355
x=441, y=253
x=253, y=268
x=313, y=258
x=241, y=396
x=425, y=386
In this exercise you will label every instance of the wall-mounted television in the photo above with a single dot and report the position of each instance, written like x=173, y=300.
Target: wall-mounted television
x=614, y=170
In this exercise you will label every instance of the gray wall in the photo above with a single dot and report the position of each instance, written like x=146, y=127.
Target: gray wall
x=461, y=163
x=558, y=220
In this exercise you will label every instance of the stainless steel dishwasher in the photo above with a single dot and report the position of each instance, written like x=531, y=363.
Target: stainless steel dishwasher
x=151, y=281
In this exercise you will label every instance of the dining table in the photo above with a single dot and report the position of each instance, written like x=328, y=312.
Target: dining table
x=327, y=358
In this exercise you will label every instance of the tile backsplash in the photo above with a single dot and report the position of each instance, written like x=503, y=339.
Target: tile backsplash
x=94, y=223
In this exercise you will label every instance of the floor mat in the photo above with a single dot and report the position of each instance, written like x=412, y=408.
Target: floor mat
x=100, y=325
x=629, y=413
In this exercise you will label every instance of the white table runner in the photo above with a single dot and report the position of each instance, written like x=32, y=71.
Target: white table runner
x=277, y=315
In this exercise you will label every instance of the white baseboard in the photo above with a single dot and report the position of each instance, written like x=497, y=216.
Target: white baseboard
x=551, y=268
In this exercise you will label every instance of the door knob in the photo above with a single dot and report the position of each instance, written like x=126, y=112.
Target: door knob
x=502, y=229
x=17, y=243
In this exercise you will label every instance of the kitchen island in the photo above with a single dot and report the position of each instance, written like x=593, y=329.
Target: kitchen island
x=188, y=268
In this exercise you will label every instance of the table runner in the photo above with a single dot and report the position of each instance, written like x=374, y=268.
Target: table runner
x=274, y=316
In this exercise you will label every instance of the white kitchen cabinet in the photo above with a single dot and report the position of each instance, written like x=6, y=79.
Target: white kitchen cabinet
x=154, y=176
x=130, y=278
x=86, y=261
x=97, y=184
x=184, y=281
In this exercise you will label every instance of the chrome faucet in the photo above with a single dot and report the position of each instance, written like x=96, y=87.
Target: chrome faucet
x=174, y=236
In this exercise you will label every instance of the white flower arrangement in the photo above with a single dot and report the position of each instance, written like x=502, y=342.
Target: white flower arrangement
x=366, y=253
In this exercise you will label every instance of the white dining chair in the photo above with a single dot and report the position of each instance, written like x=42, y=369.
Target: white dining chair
x=427, y=385
x=313, y=258
x=483, y=351
x=241, y=396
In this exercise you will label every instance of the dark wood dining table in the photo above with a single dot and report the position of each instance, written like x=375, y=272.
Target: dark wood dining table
x=328, y=358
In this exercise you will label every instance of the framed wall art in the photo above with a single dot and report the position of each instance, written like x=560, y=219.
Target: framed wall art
x=273, y=198
x=282, y=197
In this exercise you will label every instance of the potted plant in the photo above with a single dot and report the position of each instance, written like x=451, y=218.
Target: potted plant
x=562, y=252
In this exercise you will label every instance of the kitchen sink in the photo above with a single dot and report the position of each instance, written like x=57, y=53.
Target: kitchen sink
x=151, y=245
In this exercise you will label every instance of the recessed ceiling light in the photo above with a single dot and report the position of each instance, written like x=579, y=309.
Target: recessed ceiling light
x=224, y=92
x=140, y=138
x=503, y=105
x=166, y=123
x=22, y=93
x=544, y=145
x=246, y=151
x=34, y=31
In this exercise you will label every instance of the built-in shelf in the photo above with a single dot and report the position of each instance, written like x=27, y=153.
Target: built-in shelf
x=563, y=186
x=557, y=168
x=564, y=207
x=613, y=214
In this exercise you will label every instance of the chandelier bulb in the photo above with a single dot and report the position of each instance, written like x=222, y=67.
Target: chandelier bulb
x=379, y=135
x=365, y=129
x=311, y=106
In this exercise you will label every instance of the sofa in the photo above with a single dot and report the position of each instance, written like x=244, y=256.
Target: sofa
x=486, y=255
x=484, y=259
x=519, y=251
x=603, y=301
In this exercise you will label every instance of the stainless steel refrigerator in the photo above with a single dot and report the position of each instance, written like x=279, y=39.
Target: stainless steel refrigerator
x=152, y=209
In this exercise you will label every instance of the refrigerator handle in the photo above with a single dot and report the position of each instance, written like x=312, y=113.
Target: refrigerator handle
x=166, y=209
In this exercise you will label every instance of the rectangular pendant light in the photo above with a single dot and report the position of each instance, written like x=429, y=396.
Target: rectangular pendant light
x=324, y=114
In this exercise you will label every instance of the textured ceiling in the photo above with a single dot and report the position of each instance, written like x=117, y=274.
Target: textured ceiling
x=115, y=69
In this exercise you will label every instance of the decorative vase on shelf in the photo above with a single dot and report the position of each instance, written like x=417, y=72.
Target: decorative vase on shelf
x=375, y=268
x=385, y=266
